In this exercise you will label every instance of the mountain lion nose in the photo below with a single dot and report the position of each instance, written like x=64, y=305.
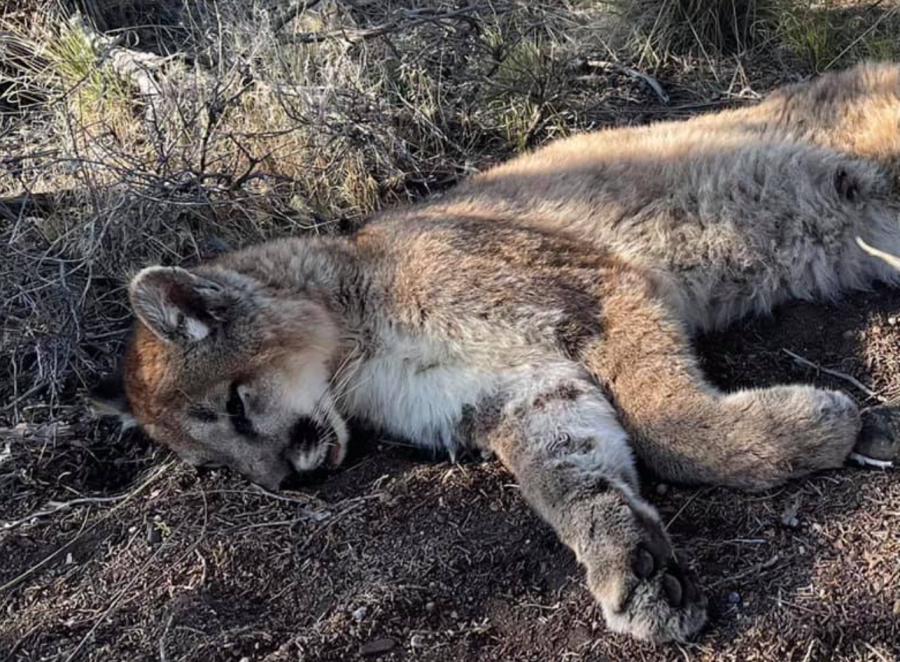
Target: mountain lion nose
x=306, y=433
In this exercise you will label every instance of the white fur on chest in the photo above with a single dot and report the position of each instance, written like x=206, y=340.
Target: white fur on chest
x=417, y=389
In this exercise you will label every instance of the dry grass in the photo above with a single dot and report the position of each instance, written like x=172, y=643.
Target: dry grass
x=186, y=127
x=813, y=34
x=256, y=126
x=140, y=132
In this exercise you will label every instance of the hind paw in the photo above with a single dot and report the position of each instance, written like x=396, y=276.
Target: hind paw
x=878, y=444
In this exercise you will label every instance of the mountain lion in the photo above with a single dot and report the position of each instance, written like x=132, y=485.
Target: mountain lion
x=544, y=310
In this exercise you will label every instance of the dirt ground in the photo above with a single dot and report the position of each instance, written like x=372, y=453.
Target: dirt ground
x=111, y=550
x=405, y=557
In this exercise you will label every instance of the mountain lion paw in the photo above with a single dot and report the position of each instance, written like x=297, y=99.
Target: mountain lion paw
x=878, y=444
x=652, y=597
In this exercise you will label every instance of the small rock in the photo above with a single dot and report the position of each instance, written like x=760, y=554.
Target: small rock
x=897, y=608
x=70, y=560
x=454, y=615
x=893, y=321
x=790, y=521
x=377, y=647
x=440, y=518
x=801, y=550
x=430, y=607
x=359, y=614
x=417, y=641
x=154, y=535
x=662, y=488
x=848, y=335
x=789, y=516
x=734, y=597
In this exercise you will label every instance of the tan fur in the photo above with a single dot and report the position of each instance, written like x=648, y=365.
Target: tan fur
x=544, y=310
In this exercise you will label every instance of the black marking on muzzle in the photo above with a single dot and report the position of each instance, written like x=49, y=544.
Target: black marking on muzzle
x=306, y=433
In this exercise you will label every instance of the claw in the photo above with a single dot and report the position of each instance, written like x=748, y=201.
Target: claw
x=878, y=444
x=673, y=590
x=892, y=260
x=644, y=564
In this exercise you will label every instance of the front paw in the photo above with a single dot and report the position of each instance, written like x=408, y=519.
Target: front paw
x=878, y=444
x=649, y=595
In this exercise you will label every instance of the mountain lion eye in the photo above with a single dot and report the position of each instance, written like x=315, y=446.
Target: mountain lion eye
x=234, y=407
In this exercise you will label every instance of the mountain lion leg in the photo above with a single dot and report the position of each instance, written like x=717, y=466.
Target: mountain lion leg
x=559, y=436
x=686, y=430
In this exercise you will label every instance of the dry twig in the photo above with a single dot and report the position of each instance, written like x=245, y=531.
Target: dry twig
x=834, y=373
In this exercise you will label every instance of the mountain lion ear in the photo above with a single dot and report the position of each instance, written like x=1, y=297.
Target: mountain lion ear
x=108, y=399
x=176, y=305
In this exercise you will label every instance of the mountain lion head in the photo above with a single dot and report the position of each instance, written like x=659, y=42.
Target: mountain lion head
x=229, y=372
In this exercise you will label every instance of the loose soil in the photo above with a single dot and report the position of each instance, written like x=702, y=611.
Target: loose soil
x=402, y=556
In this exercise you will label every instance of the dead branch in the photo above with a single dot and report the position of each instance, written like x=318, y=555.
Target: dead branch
x=57, y=506
x=648, y=80
x=834, y=373
x=759, y=567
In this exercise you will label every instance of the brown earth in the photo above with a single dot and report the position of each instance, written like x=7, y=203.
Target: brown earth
x=111, y=550
x=424, y=559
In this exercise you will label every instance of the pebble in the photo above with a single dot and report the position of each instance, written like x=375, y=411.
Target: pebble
x=662, y=488
x=734, y=597
x=154, y=535
x=417, y=641
x=430, y=607
x=848, y=335
x=377, y=647
x=360, y=613
x=789, y=516
x=790, y=521
x=454, y=615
